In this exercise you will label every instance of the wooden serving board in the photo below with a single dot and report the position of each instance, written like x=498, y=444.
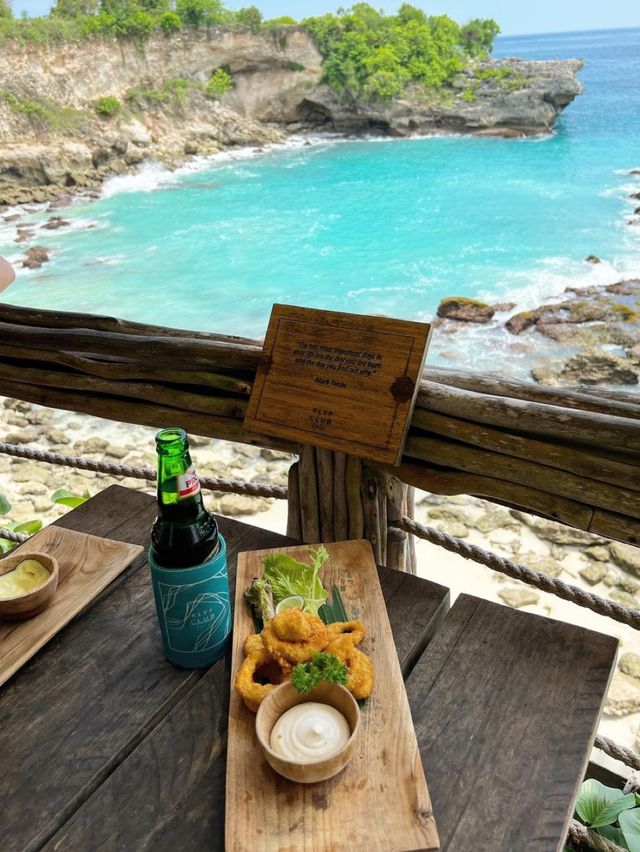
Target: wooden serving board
x=380, y=801
x=87, y=564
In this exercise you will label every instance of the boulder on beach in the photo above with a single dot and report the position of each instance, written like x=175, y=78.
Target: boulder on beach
x=521, y=322
x=35, y=257
x=595, y=366
x=465, y=310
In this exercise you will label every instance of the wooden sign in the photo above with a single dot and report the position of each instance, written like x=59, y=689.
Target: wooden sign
x=340, y=381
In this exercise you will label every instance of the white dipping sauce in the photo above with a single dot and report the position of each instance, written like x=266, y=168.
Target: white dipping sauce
x=309, y=732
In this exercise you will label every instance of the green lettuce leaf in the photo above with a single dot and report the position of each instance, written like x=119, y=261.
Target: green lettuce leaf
x=289, y=577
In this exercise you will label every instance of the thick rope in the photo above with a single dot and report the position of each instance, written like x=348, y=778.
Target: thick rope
x=579, y=833
x=234, y=486
x=617, y=752
x=522, y=572
x=12, y=536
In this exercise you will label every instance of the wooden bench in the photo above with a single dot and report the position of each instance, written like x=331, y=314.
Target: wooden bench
x=506, y=706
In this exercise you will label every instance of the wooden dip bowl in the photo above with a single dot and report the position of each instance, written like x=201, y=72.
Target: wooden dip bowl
x=283, y=698
x=30, y=603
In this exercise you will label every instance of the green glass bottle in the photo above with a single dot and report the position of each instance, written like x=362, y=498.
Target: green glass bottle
x=184, y=533
x=188, y=562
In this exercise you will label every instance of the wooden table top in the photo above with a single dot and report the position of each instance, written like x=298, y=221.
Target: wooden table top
x=112, y=747
x=105, y=745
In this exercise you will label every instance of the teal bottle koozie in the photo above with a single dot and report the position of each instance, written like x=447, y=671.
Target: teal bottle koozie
x=193, y=609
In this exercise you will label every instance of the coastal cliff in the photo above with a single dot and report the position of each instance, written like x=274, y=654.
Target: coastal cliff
x=73, y=114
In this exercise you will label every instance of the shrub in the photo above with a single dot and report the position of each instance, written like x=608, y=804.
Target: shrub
x=5, y=9
x=249, y=16
x=294, y=66
x=478, y=35
x=197, y=13
x=169, y=23
x=469, y=96
x=219, y=83
x=108, y=106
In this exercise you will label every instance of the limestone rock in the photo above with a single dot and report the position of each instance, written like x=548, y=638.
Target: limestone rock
x=594, y=573
x=447, y=513
x=544, y=564
x=630, y=664
x=593, y=258
x=624, y=696
x=58, y=436
x=17, y=405
x=241, y=504
x=492, y=520
x=39, y=416
x=13, y=419
x=34, y=488
x=521, y=322
x=24, y=436
x=465, y=310
x=626, y=556
x=55, y=222
x=552, y=531
x=454, y=528
x=199, y=440
x=595, y=366
x=598, y=552
x=624, y=599
x=92, y=445
x=115, y=452
x=275, y=455
x=519, y=597
x=35, y=257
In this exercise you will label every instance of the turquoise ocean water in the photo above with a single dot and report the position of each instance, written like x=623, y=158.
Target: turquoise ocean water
x=372, y=226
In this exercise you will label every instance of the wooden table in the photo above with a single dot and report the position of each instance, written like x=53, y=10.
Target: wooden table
x=105, y=745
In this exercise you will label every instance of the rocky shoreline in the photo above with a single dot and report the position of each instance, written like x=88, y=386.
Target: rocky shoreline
x=57, y=136
x=590, y=337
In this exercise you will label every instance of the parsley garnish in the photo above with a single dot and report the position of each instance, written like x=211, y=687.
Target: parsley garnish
x=306, y=676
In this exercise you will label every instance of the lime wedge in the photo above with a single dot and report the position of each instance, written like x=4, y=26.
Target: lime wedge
x=291, y=602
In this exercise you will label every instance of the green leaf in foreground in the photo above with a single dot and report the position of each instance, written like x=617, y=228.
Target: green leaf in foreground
x=598, y=805
x=610, y=832
x=66, y=498
x=630, y=825
x=289, y=577
x=306, y=676
x=5, y=505
x=28, y=527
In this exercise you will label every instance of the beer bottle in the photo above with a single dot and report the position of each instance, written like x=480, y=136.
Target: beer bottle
x=184, y=534
x=188, y=562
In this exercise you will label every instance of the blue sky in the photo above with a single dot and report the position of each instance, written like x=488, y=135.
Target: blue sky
x=514, y=16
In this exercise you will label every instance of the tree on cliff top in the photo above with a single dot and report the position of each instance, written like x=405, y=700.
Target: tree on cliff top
x=369, y=54
x=5, y=9
x=477, y=36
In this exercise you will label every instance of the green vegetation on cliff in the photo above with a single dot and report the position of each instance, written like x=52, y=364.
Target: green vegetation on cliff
x=373, y=55
x=367, y=54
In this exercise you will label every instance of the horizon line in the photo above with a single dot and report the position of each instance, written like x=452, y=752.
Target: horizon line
x=566, y=32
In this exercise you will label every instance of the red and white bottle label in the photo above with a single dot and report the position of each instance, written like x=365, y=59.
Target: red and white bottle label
x=188, y=483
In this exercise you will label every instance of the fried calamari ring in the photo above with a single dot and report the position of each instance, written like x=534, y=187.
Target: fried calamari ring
x=289, y=653
x=253, y=643
x=256, y=677
x=355, y=630
x=360, y=675
x=291, y=626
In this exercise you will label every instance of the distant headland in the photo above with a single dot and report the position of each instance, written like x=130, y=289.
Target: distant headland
x=99, y=86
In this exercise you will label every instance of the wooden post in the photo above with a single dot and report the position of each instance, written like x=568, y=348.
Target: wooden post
x=334, y=497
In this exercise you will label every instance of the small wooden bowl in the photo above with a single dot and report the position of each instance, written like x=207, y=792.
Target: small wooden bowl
x=30, y=603
x=283, y=698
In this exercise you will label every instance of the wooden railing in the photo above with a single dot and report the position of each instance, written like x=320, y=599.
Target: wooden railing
x=571, y=455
